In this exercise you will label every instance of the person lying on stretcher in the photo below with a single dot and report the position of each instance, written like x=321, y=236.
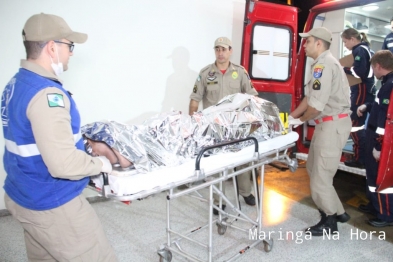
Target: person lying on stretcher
x=99, y=148
x=171, y=138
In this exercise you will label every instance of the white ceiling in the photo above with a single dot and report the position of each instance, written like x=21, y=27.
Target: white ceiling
x=384, y=12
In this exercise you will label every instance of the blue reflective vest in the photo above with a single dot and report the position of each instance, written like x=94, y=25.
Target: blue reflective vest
x=28, y=181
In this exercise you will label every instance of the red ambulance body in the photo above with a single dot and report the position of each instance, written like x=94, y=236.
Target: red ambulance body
x=278, y=66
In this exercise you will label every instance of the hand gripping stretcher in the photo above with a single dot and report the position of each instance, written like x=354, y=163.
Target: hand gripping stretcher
x=131, y=185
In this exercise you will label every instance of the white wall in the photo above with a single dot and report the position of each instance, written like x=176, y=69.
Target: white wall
x=141, y=57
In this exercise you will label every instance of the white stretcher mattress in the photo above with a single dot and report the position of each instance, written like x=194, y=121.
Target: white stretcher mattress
x=130, y=182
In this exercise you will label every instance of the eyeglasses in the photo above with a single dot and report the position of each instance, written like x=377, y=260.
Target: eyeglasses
x=70, y=45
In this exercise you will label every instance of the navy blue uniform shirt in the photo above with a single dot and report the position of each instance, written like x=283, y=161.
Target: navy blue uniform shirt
x=388, y=43
x=379, y=109
x=361, y=65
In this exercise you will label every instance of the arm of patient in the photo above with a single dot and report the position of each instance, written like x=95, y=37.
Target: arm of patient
x=102, y=149
x=123, y=162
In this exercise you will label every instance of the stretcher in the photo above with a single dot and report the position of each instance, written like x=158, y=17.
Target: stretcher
x=197, y=174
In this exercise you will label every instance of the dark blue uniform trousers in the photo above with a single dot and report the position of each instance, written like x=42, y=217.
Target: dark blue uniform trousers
x=381, y=202
x=360, y=94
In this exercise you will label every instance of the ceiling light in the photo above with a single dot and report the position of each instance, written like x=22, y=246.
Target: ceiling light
x=370, y=7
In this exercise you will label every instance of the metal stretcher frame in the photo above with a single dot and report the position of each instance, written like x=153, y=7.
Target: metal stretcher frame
x=255, y=161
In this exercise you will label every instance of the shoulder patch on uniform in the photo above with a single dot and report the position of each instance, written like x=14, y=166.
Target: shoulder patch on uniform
x=236, y=65
x=205, y=68
x=199, y=78
x=55, y=100
x=357, y=58
x=195, y=89
x=318, y=69
x=316, y=85
x=248, y=76
x=385, y=101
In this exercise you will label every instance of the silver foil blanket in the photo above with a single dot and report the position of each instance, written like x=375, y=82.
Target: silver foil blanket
x=170, y=138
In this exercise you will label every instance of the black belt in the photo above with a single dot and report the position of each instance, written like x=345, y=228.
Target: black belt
x=371, y=127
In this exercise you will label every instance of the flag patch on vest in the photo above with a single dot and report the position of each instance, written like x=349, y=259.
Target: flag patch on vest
x=55, y=100
x=357, y=58
x=385, y=101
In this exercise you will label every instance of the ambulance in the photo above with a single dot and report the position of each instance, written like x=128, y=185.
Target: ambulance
x=273, y=54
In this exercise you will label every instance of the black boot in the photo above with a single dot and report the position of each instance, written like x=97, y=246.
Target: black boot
x=323, y=214
x=327, y=225
x=343, y=218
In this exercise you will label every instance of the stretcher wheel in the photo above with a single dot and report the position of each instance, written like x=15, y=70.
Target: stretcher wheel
x=166, y=256
x=221, y=229
x=268, y=245
x=293, y=165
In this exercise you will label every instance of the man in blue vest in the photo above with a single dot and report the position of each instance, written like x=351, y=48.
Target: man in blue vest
x=46, y=165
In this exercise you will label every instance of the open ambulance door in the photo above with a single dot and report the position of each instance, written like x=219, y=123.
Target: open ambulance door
x=385, y=169
x=337, y=16
x=269, y=51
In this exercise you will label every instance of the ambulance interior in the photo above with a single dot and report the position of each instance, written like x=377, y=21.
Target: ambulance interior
x=373, y=19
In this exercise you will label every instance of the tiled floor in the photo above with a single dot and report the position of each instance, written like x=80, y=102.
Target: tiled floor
x=136, y=231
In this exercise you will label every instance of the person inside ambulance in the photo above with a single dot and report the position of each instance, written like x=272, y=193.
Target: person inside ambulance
x=216, y=81
x=388, y=41
x=360, y=93
x=381, y=203
x=44, y=158
x=327, y=102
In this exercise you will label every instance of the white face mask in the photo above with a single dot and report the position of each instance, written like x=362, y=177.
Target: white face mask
x=57, y=68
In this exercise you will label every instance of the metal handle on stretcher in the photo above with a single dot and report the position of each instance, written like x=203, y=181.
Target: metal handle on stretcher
x=105, y=187
x=105, y=178
x=198, y=159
